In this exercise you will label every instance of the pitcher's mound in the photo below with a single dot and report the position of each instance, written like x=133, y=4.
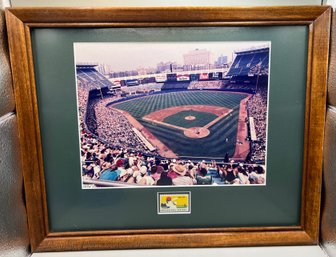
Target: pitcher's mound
x=190, y=117
x=196, y=132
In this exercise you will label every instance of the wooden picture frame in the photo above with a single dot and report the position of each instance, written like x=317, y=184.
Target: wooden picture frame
x=20, y=21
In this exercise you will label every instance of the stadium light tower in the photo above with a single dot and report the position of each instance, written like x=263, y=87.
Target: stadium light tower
x=259, y=69
x=101, y=93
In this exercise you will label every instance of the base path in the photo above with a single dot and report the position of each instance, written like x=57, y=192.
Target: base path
x=242, y=145
x=163, y=150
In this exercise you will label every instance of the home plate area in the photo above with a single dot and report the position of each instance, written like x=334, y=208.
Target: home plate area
x=196, y=132
x=193, y=120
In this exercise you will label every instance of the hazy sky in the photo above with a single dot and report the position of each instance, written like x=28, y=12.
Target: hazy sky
x=129, y=56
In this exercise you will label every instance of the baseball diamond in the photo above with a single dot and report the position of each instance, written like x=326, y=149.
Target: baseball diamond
x=190, y=124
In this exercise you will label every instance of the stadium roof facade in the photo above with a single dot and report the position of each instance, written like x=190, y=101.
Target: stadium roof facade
x=86, y=65
x=253, y=49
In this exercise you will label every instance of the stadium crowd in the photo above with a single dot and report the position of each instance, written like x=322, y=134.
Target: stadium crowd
x=114, y=128
x=127, y=167
x=259, y=70
x=82, y=95
x=211, y=84
x=257, y=108
x=111, y=127
x=111, y=151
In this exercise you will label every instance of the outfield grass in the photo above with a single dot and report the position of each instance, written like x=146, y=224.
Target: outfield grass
x=201, y=119
x=222, y=138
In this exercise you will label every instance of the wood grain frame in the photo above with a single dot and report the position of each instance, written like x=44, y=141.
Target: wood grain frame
x=21, y=20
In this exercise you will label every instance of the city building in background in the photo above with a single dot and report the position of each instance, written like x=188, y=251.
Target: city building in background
x=198, y=59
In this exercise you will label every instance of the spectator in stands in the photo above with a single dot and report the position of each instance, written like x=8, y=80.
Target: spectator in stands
x=191, y=170
x=159, y=166
x=243, y=176
x=88, y=170
x=111, y=174
x=257, y=176
x=143, y=178
x=154, y=174
x=164, y=180
x=181, y=178
x=203, y=178
x=230, y=175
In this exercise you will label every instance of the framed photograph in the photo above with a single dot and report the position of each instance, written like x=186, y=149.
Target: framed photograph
x=172, y=114
x=170, y=127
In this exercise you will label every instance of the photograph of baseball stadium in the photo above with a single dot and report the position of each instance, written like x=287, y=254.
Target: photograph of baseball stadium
x=172, y=114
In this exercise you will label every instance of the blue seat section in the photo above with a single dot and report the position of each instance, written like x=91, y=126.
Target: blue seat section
x=249, y=63
x=91, y=78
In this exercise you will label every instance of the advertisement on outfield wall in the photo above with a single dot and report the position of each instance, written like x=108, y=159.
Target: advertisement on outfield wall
x=172, y=77
x=191, y=127
x=204, y=76
x=215, y=75
x=161, y=77
x=183, y=77
x=194, y=77
x=132, y=82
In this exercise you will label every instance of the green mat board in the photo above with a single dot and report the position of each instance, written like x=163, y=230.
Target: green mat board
x=72, y=209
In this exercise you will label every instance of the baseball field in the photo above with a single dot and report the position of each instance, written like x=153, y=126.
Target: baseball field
x=191, y=124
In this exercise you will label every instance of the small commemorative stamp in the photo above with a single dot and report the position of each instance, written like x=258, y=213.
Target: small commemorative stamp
x=174, y=202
